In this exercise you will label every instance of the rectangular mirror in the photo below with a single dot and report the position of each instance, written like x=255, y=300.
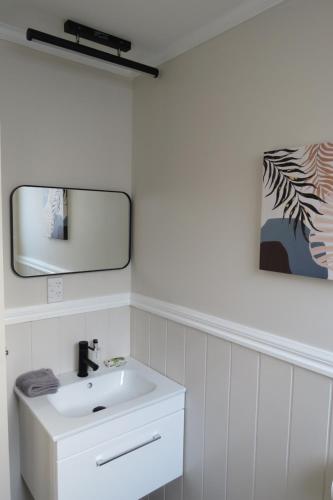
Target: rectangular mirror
x=56, y=230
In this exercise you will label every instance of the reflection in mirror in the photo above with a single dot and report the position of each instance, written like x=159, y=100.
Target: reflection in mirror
x=62, y=230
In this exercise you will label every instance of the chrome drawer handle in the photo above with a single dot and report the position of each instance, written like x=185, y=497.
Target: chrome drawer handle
x=101, y=462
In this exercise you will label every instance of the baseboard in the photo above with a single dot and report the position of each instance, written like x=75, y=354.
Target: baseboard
x=293, y=352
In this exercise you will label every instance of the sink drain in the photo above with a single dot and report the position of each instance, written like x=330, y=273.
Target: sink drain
x=98, y=408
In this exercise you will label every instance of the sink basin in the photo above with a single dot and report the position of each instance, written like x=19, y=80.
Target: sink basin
x=115, y=394
x=87, y=396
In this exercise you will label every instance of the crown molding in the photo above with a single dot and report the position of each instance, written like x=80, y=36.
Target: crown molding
x=243, y=12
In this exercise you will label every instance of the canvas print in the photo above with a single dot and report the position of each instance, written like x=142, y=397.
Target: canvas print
x=56, y=208
x=297, y=211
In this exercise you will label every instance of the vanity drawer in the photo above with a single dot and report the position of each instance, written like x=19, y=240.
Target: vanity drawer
x=128, y=467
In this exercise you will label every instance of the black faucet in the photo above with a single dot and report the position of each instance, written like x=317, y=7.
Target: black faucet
x=84, y=361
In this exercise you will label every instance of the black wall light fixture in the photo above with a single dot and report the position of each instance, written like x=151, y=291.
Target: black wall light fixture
x=95, y=36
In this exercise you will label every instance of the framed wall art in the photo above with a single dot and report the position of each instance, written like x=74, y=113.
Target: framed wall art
x=297, y=211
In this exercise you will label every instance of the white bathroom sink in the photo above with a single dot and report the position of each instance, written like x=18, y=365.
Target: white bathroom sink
x=70, y=452
x=123, y=391
x=87, y=396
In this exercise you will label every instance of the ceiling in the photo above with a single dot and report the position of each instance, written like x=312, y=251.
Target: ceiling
x=159, y=29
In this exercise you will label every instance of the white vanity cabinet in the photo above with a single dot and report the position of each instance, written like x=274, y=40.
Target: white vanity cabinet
x=127, y=467
x=123, y=454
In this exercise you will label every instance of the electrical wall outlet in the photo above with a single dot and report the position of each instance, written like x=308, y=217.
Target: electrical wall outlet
x=55, y=290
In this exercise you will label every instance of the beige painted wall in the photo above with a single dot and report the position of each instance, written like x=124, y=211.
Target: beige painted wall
x=199, y=135
x=62, y=124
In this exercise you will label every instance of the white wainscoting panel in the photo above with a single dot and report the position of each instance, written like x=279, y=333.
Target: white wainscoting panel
x=18, y=342
x=195, y=374
x=72, y=329
x=52, y=343
x=45, y=344
x=328, y=494
x=242, y=423
x=257, y=428
x=217, y=417
x=175, y=352
x=308, y=436
x=175, y=369
x=158, y=344
x=274, y=404
x=259, y=408
x=140, y=344
x=294, y=352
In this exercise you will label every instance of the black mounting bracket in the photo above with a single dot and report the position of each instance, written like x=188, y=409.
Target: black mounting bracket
x=81, y=31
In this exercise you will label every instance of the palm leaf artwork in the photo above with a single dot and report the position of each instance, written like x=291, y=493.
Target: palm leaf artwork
x=321, y=243
x=318, y=161
x=56, y=213
x=291, y=182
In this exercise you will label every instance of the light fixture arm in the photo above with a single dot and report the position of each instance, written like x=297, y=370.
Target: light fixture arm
x=40, y=36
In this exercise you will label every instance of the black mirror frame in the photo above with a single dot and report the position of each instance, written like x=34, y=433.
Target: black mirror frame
x=74, y=272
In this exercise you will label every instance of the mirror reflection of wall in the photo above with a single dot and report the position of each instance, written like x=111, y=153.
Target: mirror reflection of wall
x=60, y=230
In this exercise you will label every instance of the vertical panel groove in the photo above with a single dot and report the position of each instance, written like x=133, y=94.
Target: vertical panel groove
x=166, y=347
x=289, y=425
x=149, y=337
x=30, y=330
x=185, y=348
x=328, y=436
x=132, y=332
x=228, y=426
x=166, y=353
x=204, y=421
x=256, y=428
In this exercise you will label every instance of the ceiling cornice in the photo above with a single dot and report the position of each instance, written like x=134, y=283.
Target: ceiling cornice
x=243, y=12
x=238, y=15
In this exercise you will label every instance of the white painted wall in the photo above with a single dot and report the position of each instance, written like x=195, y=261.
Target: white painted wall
x=199, y=135
x=62, y=124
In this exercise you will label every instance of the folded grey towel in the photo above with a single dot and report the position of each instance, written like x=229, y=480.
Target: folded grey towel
x=38, y=383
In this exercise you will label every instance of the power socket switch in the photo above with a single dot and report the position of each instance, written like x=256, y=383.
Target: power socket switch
x=55, y=290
